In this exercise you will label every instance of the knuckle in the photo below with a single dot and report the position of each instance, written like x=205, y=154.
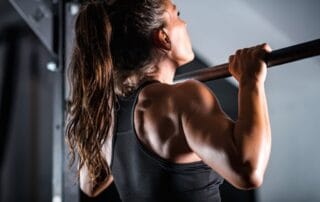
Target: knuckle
x=267, y=47
x=238, y=52
x=245, y=50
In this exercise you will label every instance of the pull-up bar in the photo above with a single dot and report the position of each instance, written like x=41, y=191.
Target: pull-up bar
x=276, y=57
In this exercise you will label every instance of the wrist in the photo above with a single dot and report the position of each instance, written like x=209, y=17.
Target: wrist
x=251, y=83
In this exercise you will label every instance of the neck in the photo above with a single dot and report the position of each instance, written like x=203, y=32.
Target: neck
x=166, y=71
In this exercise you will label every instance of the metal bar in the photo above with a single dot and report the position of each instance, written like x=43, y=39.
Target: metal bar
x=276, y=57
x=71, y=189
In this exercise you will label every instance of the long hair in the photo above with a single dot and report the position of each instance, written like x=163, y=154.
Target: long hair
x=113, y=52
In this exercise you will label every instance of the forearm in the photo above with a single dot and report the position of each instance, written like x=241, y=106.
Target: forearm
x=252, y=134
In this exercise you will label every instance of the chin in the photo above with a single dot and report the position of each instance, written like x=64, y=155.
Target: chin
x=187, y=59
x=192, y=56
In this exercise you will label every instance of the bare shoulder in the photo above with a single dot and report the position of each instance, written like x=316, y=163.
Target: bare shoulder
x=178, y=97
x=190, y=84
x=193, y=94
x=156, y=91
x=155, y=97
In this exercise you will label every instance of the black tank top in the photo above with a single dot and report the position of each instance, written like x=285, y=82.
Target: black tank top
x=142, y=176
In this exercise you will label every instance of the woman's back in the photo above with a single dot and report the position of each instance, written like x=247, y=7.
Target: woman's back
x=140, y=174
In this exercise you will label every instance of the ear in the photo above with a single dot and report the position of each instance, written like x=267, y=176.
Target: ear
x=161, y=39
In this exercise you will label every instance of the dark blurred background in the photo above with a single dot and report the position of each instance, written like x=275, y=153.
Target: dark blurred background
x=35, y=44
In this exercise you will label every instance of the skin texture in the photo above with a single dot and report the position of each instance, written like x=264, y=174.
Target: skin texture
x=184, y=122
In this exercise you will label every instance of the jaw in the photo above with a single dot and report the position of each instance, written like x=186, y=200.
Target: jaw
x=188, y=59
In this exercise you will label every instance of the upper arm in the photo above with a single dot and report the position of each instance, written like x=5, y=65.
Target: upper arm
x=209, y=131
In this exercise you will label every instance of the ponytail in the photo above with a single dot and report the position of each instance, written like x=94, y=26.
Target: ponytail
x=91, y=79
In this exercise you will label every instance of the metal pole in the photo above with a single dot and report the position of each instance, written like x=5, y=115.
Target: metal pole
x=276, y=57
x=58, y=107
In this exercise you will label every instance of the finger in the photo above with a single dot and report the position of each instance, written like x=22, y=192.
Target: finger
x=238, y=52
x=231, y=62
x=231, y=58
x=245, y=51
x=262, y=50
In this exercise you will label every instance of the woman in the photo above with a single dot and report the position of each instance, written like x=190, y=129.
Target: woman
x=159, y=141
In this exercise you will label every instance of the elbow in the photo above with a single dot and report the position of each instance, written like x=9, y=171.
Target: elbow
x=251, y=179
x=251, y=168
x=247, y=176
